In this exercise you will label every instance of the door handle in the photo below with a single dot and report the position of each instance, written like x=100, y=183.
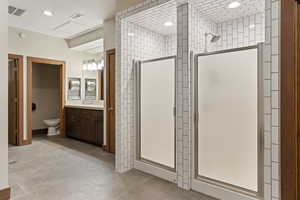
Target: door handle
x=111, y=109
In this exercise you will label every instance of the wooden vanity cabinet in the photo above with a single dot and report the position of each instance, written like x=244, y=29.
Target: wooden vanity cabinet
x=85, y=125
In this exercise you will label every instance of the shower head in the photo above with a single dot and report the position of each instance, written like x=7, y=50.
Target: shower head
x=215, y=38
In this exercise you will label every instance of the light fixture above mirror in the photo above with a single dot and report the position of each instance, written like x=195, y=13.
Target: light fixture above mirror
x=93, y=65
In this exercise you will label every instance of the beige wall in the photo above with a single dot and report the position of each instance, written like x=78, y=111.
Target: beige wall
x=43, y=46
x=4, y=96
x=45, y=94
x=109, y=34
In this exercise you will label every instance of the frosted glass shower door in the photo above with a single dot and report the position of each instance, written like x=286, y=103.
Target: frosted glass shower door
x=227, y=127
x=156, y=132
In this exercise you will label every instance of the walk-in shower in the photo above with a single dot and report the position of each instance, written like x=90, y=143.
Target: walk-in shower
x=150, y=44
x=190, y=95
x=227, y=46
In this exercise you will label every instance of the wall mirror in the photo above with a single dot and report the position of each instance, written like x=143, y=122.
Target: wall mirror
x=94, y=80
x=74, y=89
x=90, y=89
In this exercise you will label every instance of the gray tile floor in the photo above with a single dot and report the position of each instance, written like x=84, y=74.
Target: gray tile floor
x=64, y=169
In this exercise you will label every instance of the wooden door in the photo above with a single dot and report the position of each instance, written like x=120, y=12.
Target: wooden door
x=110, y=106
x=13, y=102
x=290, y=100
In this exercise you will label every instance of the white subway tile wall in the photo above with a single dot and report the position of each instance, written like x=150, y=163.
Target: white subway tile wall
x=183, y=99
x=199, y=25
x=241, y=32
x=234, y=33
x=272, y=94
x=217, y=10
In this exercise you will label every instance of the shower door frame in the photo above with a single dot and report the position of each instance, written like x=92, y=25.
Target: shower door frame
x=154, y=168
x=213, y=185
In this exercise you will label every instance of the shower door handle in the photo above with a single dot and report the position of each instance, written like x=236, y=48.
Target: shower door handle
x=174, y=111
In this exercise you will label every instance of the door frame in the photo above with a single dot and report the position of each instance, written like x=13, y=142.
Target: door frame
x=217, y=188
x=108, y=146
x=20, y=134
x=62, y=69
x=290, y=100
x=137, y=73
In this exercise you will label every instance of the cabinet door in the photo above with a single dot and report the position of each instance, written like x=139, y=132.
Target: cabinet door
x=73, y=123
x=99, y=128
x=88, y=126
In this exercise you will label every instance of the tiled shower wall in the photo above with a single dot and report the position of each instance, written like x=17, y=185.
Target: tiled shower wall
x=125, y=101
x=198, y=26
x=143, y=44
x=241, y=32
x=234, y=33
x=183, y=100
x=272, y=100
x=171, y=45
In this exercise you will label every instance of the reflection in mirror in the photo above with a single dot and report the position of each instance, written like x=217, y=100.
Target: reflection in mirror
x=74, y=89
x=90, y=89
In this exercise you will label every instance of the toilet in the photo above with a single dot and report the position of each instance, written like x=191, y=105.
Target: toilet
x=53, y=126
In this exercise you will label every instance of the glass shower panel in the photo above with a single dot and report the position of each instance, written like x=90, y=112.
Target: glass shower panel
x=227, y=133
x=157, y=123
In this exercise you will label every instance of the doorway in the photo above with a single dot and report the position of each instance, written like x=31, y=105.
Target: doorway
x=111, y=101
x=61, y=65
x=15, y=100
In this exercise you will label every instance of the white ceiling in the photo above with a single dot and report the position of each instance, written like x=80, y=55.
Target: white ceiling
x=215, y=10
x=218, y=11
x=94, y=47
x=93, y=11
x=96, y=11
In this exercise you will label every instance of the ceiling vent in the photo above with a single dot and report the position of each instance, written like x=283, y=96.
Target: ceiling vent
x=15, y=11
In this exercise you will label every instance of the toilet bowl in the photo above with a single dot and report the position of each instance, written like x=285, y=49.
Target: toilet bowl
x=53, y=126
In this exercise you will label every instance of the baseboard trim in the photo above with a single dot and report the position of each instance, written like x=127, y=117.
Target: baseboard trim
x=25, y=142
x=40, y=131
x=5, y=194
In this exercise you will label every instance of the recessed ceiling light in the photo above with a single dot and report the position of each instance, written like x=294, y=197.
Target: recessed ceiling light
x=234, y=4
x=48, y=13
x=252, y=26
x=168, y=24
x=131, y=34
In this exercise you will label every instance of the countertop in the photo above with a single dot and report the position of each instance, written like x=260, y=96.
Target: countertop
x=85, y=106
